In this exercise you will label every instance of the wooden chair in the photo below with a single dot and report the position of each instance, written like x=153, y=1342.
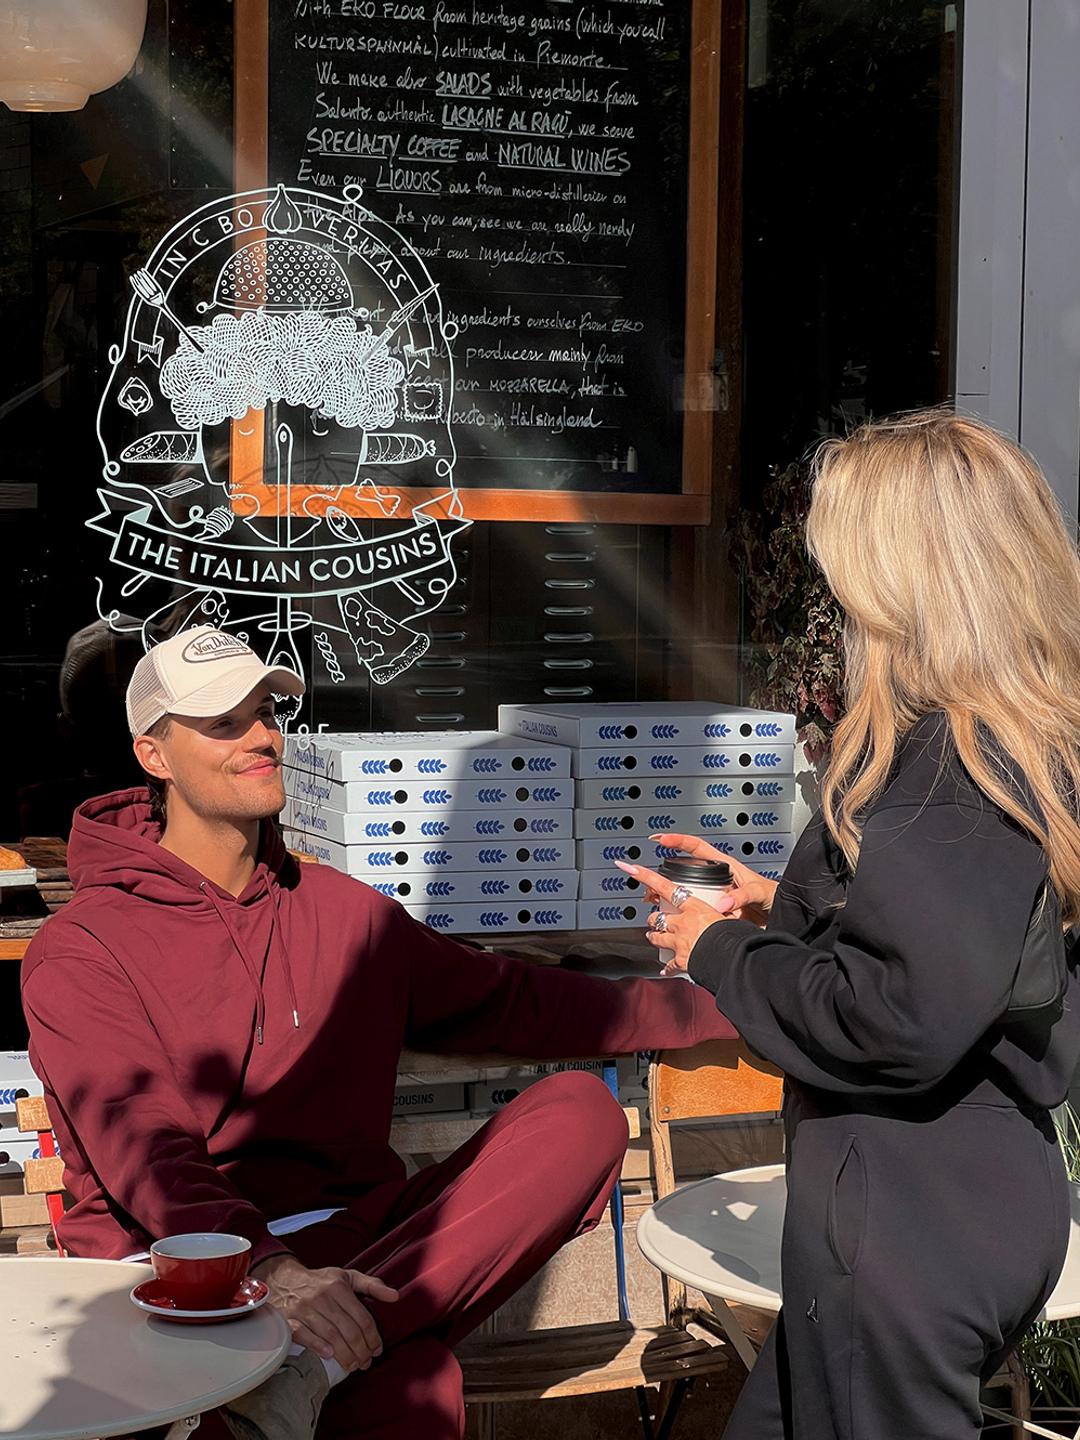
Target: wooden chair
x=30, y=1216
x=617, y=1354
x=720, y=1079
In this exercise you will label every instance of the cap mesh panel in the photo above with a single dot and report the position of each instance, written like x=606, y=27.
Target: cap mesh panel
x=146, y=701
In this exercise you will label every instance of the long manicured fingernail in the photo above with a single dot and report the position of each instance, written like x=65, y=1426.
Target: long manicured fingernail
x=377, y=1352
x=630, y=869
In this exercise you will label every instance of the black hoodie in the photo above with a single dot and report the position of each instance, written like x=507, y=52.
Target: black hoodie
x=893, y=982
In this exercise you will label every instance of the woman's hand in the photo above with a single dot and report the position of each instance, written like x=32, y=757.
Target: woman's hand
x=682, y=929
x=750, y=896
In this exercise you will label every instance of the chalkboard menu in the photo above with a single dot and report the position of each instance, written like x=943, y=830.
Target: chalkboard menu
x=537, y=156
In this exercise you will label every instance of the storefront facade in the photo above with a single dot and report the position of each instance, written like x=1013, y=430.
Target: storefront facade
x=577, y=306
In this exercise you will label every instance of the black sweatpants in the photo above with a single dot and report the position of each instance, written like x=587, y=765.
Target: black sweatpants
x=916, y=1252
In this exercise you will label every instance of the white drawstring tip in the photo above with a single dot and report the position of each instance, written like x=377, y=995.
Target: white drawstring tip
x=258, y=1034
x=295, y=1020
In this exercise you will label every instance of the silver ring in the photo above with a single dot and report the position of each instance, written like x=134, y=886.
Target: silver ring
x=679, y=896
x=661, y=923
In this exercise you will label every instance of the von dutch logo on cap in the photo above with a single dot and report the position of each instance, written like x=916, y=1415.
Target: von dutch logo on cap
x=213, y=645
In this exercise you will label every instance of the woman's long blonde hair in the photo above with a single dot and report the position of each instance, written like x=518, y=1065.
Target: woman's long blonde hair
x=946, y=549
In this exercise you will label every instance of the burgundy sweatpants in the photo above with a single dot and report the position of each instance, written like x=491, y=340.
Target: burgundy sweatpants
x=458, y=1239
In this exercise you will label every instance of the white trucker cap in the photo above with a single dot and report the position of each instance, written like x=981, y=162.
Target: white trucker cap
x=199, y=672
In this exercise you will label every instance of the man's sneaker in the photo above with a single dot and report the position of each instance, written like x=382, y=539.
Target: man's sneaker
x=285, y=1407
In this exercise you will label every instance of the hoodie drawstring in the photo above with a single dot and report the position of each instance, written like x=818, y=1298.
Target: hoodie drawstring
x=284, y=956
x=249, y=963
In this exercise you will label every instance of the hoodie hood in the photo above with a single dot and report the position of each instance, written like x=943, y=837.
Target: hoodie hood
x=115, y=844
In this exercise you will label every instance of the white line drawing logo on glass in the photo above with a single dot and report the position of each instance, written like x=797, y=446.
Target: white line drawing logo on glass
x=276, y=437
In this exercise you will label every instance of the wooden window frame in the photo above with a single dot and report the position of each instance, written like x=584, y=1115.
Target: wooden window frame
x=693, y=504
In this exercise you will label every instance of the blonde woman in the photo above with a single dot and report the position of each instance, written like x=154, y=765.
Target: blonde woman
x=911, y=974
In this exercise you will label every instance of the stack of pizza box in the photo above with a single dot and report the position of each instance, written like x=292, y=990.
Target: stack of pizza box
x=722, y=772
x=472, y=831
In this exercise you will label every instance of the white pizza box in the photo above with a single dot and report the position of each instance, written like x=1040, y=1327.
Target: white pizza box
x=432, y=795
x=671, y=722
x=368, y=860
x=541, y=1068
x=771, y=872
x=16, y=1078
x=487, y=1096
x=685, y=790
x=716, y=761
x=495, y=918
x=607, y=884
x=428, y=1099
x=634, y=1074
x=768, y=849
x=465, y=886
x=424, y=755
x=621, y=913
x=415, y=827
x=458, y=1065
x=683, y=820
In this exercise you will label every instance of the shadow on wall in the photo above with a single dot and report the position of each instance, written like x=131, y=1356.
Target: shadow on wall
x=808, y=777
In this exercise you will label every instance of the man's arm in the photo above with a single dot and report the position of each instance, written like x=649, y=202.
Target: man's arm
x=466, y=1000
x=98, y=1055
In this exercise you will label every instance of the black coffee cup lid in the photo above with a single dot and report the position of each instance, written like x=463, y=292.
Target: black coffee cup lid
x=688, y=871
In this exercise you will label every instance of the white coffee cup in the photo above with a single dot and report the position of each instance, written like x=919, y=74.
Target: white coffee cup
x=707, y=880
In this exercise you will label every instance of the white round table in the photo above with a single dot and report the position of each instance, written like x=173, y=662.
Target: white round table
x=722, y=1236
x=77, y=1359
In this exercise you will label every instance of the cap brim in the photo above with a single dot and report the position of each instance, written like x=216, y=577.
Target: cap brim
x=221, y=695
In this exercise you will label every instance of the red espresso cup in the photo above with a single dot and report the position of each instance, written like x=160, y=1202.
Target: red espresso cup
x=201, y=1271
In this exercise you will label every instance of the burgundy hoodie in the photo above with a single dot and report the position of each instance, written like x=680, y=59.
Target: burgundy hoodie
x=214, y=1062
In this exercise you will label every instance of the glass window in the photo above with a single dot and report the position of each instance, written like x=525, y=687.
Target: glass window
x=836, y=231
x=848, y=232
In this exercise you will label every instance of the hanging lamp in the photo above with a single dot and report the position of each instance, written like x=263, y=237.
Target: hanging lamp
x=55, y=54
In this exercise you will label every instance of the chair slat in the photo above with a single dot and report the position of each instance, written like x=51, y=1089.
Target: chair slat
x=44, y=1177
x=22, y=1210
x=32, y=1113
x=721, y=1078
x=581, y=1360
x=29, y=1240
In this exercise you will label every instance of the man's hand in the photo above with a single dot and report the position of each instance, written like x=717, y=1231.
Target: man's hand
x=323, y=1311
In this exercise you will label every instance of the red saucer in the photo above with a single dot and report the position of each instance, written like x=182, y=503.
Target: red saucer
x=153, y=1297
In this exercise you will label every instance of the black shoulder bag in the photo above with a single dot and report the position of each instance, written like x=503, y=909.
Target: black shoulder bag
x=1042, y=975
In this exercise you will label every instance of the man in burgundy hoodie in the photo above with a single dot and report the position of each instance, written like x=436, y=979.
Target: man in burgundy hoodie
x=218, y=1031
